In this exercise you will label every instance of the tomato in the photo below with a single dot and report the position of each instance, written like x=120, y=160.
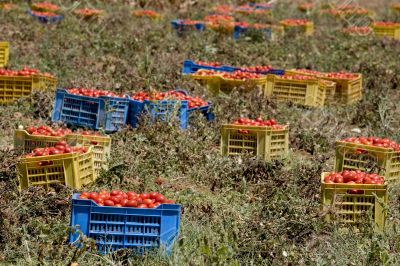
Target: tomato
x=131, y=195
x=131, y=203
x=156, y=204
x=169, y=201
x=142, y=206
x=144, y=196
x=118, y=205
x=109, y=203
x=153, y=195
x=115, y=192
x=147, y=201
x=160, y=198
x=115, y=199
x=83, y=197
x=123, y=202
x=151, y=205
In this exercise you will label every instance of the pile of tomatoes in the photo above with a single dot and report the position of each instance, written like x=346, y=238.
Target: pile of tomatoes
x=295, y=22
x=88, y=12
x=145, y=13
x=257, y=69
x=353, y=177
x=385, y=24
x=258, y=122
x=93, y=93
x=193, y=102
x=45, y=6
x=131, y=199
x=297, y=77
x=357, y=30
x=25, y=72
x=48, y=131
x=240, y=75
x=218, y=19
x=339, y=75
x=58, y=132
x=44, y=14
x=374, y=141
x=61, y=147
x=211, y=64
x=190, y=22
x=207, y=73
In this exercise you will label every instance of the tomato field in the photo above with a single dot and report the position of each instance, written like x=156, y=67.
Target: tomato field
x=199, y=132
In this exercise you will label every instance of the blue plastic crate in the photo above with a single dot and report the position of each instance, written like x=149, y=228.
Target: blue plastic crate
x=240, y=31
x=108, y=113
x=113, y=228
x=190, y=67
x=166, y=110
x=180, y=28
x=261, y=6
x=46, y=19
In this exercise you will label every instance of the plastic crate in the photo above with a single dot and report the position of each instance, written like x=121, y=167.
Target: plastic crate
x=352, y=209
x=74, y=170
x=47, y=83
x=180, y=28
x=190, y=67
x=264, y=142
x=387, y=31
x=113, y=228
x=330, y=91
x=46, y=19
x=303, y=92
x=166, y=110
x=352, y=156
x=347, y=91
x=25, y=142
x=14, y=87
x=240, y=31
x=101, y=148
x=307, y=29
x=4, y=53
x=102, y=112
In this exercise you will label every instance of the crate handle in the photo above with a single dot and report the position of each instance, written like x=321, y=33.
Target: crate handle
x=355, y=191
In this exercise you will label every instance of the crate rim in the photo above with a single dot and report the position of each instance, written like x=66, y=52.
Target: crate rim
x=75, y=196
x=341, y=143
x=126, y=97
x=54, y=157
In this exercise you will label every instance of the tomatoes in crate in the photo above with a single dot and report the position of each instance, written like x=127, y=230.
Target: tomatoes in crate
x=93, y=92
x=45, y=6
x=130, y=199
x=295, y=22
x=87, y=12
x=353, y=177
x=374, y=141
x=258, y=122
x=61, y=147
x=25, y=72
x=170, y=95
x=240, y=75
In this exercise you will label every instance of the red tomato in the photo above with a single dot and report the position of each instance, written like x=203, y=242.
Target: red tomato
x=115, y=192
x=144, y=196
x=83, y=196
x=153, y=195
x=151, y=205
x=109, y=203
x=131, y=203
x=147, y=201
x=142, y=206
x=160, y=198
x=123, y=202
x=118, y=205
x=115, y=199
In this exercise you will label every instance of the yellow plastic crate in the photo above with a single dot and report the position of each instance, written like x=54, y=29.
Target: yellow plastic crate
x=330, y=91
x=347, y=91
x=307, y=29
x=303, y=92
x=15, y=87
x=25, y=142
x=352, y=209
x=4, y=53
x=264, y=142
x=74, y=170
x=101, y=148
x=352, y=156
x=47, y=83
x=387, y=31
